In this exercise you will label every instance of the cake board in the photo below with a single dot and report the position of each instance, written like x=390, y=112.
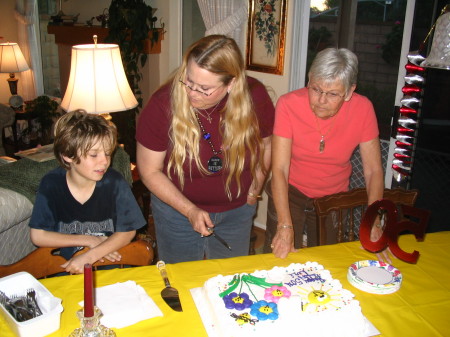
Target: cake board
x=202, y=306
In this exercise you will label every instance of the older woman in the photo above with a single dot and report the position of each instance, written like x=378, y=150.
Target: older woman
x=316, y=131
x=203, y=151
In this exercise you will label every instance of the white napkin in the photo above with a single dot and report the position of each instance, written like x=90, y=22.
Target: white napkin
x=124, y=304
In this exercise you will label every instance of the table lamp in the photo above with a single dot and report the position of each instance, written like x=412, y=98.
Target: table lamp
x=12, y=61
x=97, y=81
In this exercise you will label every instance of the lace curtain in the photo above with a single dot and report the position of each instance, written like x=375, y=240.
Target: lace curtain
x=27, y=17
x=227, y=17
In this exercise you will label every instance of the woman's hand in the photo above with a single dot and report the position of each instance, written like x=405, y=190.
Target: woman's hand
x=283, y=242
x=375, y=235
x=200, y=220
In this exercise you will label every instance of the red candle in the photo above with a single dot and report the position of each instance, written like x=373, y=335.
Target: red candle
x=88, y=291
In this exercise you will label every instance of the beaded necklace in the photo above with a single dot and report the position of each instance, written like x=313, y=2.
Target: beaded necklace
x=215, y=162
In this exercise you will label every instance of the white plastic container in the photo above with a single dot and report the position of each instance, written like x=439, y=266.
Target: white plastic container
x=48, y=322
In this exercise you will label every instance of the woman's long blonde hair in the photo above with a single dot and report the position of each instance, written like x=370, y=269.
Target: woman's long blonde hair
x=239, y=126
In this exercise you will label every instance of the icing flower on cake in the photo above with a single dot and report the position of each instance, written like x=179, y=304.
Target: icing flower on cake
x=238, y=302
x=264, y=310
x=274, y=293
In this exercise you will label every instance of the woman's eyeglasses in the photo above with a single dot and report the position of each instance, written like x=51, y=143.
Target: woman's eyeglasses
x=331, y=96
x=199, y=91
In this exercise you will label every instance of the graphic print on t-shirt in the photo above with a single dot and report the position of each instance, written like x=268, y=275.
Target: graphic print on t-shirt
x=96, y=228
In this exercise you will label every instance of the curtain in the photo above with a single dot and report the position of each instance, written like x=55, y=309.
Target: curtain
x=227, y=17
x=27, y=16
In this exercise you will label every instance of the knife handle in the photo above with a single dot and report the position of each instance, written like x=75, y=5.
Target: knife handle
x=162, y=269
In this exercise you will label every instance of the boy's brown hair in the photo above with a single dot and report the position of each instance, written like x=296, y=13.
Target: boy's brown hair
x=77, y=132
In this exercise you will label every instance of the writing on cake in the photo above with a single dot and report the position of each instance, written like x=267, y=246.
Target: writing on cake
x=303, y=277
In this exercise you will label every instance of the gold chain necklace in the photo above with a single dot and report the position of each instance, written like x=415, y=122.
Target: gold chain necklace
x=208, y=115
x=322, y=136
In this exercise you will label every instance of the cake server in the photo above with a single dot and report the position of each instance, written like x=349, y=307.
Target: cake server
x=169, y=294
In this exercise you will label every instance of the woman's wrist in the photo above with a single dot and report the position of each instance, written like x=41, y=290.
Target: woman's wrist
x=254, y=196
x=284, y=226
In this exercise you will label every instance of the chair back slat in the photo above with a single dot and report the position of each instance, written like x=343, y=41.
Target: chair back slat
x=347, y=203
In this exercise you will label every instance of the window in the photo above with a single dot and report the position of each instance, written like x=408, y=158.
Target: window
x=373, y=30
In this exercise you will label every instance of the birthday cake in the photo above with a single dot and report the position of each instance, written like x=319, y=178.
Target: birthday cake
x=302, y=299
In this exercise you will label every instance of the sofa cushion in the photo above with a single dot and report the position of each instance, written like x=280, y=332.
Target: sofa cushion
x=14, y=208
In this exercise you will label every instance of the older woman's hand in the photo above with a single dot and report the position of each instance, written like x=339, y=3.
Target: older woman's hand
x=200, y=220
x=375, y=235
x=283, y=242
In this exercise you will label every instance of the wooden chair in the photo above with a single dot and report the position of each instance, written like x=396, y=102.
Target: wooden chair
x=346, y=204
x=41, y=263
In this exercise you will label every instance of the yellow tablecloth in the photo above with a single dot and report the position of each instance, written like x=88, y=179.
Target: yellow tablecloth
x=420, y=308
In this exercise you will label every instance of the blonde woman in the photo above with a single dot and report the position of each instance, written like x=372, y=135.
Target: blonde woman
x=203, y=150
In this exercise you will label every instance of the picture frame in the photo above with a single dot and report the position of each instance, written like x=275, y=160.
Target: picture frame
x=266, y=36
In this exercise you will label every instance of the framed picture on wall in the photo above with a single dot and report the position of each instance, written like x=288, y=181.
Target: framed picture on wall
x=266, y=36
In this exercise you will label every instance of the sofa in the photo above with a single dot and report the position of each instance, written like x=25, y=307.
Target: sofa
x=19, y=182
x=15, y=213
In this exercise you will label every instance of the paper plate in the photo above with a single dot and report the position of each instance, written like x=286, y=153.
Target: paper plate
x=374, y=277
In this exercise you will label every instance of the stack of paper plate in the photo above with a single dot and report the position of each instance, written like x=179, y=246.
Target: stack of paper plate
x=374, y=277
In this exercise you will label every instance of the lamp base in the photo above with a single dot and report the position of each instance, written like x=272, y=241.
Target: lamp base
x=15, y=101
x=12, y=81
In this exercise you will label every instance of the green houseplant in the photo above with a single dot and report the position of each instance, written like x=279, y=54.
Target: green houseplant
x=131, y=23
x=44, y=109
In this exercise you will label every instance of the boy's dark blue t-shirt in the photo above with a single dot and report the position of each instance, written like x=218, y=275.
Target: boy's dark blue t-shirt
x=111, y=208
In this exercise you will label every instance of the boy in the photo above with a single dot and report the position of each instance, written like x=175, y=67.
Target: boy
x=83, y=202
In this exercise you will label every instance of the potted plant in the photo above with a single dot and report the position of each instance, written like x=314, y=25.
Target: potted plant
x=44, y=109
x=130, y=23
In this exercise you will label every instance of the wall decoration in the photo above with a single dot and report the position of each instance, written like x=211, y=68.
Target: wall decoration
x=266, y=36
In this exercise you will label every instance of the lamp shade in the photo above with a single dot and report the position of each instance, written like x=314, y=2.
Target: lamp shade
x=439, y=56
x=11, y=58
x=97, y=81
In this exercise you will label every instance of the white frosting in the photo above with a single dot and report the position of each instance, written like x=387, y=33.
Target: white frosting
x=333, y=313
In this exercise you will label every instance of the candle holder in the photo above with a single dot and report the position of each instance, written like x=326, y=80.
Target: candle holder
x=91, y=327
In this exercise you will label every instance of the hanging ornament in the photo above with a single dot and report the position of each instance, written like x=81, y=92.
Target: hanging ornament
x=406, y=165
x=402, y=157
x=405, y=110
x=414, y=68
x=402, y=145
x=410, y=102
x=405, y=139
x=405, y=130
x=401, y=151
x=406, y=121
x=411, y=89
x=415, y=58
x=414, y=79
x=400, y=175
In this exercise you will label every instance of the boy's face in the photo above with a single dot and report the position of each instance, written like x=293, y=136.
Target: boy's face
x=93, y=165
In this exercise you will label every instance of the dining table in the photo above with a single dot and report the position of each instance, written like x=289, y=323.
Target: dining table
x=421, y=307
